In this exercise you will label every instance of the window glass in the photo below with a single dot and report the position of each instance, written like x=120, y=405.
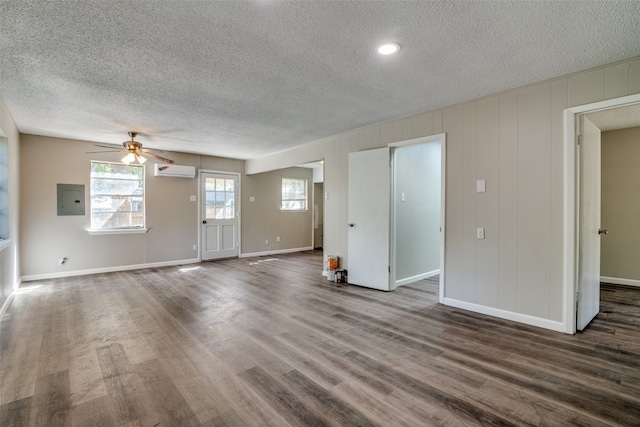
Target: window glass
x=294, y=194
x=220, y=198
x=117, y=196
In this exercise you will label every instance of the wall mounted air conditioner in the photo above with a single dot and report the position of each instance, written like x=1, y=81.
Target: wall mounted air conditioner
x=175, y=171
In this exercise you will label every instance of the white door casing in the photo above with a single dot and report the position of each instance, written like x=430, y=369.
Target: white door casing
x=369, y=205
x=571, y=209
x=219, y=214
x=589, y=170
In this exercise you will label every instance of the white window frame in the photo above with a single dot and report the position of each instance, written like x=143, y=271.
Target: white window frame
x=284, y=200
x=119, y=230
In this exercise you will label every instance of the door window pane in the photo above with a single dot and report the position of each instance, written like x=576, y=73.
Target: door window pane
x=220, y=198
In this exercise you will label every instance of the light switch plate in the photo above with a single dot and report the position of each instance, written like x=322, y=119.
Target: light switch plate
x=480, y=233
x=481, y=186
x=193, y=198
x=252, y=199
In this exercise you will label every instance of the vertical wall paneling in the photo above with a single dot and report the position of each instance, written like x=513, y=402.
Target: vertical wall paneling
x=437, y=121
x=586, y=87
x=369, y=138
x=508, y=208
x=386, y=133
x=452, y=120
x=616, y=81
x=534, y=204
x=422, y=125
x=402, y=129
x=634, y=76
x=530, y=219
x=470, y=242
x=556, y=234
x=488, y=206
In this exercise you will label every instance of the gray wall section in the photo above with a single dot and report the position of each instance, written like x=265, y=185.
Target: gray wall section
x=172, y=219
x=45, y=237
x=514, y=140
x=620, y=249
x=417, y=218
x=262, y=219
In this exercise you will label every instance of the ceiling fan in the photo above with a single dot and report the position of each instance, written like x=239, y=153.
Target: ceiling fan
x=134, y=151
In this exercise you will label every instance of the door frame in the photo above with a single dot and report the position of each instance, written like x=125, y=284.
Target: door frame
x=200, y=201
x=442, y=138
x=571, y=210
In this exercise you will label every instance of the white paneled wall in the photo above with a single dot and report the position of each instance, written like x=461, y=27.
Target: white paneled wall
x=514, y=141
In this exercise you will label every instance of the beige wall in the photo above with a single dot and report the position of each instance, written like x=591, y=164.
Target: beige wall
x=45, y=237
x=513, y=140
x=621, y=204
x=262, y=218
x=9, y=258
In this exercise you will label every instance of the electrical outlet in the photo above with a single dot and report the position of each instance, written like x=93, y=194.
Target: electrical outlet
x=480, y=233
x=195, y=247
x=266, y=242
x=277, y=238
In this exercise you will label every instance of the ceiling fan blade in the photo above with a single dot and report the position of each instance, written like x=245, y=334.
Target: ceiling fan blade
x=112, y=151
x=162, y=159
x=145, y=150
x=106, y=146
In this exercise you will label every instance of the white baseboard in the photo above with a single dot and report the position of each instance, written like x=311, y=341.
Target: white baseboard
x=508, y=315
x=60, y=274
x=417, y=277
x=618, y=281
x=276, y=252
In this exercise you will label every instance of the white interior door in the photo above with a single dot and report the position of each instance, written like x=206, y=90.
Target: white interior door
x=219, y=214
x=368, y=221
x=589, y=225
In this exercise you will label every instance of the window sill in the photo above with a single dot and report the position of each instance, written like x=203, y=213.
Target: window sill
x=118, y=231
x=4, y=244
x=294, y=210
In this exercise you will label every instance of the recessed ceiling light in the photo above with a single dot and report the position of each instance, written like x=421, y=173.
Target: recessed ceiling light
x=388, y=48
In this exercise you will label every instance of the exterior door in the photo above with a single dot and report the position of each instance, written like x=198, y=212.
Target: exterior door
x=588, y=225
x=368, y=219
x=219, y=214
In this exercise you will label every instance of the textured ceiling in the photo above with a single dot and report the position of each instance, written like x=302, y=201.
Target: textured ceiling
x=245, y=79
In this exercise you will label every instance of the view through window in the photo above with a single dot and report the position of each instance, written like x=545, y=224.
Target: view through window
x=220, y=195
x=294, y=194
x=117, y=196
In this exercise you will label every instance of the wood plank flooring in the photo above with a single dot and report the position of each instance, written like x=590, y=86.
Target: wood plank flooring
x=270, y=342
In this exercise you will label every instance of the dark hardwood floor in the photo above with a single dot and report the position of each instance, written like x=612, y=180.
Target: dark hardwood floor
x=270, y=342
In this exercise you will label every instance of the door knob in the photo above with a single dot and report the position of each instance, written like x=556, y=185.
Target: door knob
x=351, y=225
x=204, y=222
x=601, y=231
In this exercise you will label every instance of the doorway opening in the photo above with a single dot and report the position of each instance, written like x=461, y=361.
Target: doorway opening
x=582, y=218
x=391, y=190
